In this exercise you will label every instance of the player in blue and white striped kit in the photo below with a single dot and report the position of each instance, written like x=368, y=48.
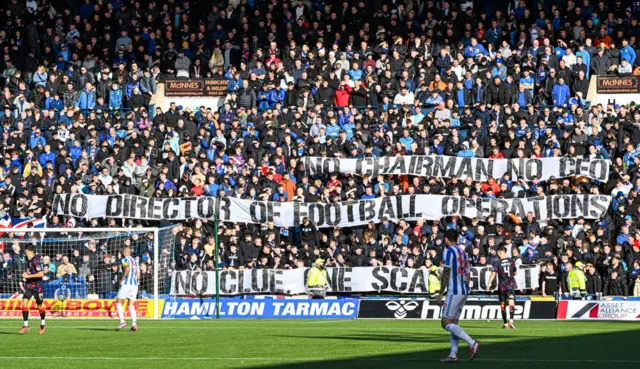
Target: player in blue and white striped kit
x=128, y=288
x=455, y=276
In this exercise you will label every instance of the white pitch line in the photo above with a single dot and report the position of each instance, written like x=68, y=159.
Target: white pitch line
x=282, y=359
x=331, y=321
x=107, y=358
x=402, y=329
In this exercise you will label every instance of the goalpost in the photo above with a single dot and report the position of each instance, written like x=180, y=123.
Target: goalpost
x=84, y=263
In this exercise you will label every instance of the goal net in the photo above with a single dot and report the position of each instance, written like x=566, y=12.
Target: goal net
x=85, y=264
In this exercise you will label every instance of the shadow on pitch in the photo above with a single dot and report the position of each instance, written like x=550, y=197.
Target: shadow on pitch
x=385, y=337
x=96, y=329
x=590, y=350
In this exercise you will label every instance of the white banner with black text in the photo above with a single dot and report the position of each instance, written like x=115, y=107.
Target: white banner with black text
x=339, y=214
x=341, y=280
x=452, y=166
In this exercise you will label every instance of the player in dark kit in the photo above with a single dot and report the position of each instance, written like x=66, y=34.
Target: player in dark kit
x=32, y=288
x=506, y=271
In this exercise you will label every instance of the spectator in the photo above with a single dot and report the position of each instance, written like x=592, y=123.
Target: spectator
x=560, y=93
x=66, y=268
x=342, y=94
x=625, y=68
x=115, y=97
x=627, y=53
x=575, y=286
x=615, y=285
x=40, y=77
x=633, y=278
x=594, y=281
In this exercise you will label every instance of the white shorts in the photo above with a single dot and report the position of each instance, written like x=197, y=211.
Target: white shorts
x=453, y=305
x=128, y=292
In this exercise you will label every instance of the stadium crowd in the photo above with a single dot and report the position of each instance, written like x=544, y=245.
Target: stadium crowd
x=343, y=79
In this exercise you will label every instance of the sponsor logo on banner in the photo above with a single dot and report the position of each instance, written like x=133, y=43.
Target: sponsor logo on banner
x=618, y=84
x=478, y=310
x=364, y=279
x=401, y=307
x=599, y=310
x=195, y=87
x=449, y=166
x=473, y=310
x=341, y=214
x=77, y=308
x=282, y=309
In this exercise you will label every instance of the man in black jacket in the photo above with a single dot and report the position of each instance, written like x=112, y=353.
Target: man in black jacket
x=580, y=84
x=578, y=67
x=600, y=63
x=550, y=81
x=358, y=259
x=461, y=95
x=508, y=90
x=359, y=94
x=244, y=246
x=495, y=91
x=594, y=280
x=615, y=285
x=232, y=257
x=479, y=94
x=324, y=95
x=550, y=281
x=246, y=96
x=308, y=233
x=291, y=95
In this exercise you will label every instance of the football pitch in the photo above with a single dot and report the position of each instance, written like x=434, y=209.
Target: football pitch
x=305, y=344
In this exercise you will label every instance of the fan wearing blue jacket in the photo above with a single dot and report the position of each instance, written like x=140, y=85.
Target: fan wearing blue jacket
x=115, y=97
x=560, y=93
x=276, y=96
x=465, y=151
x=586, y=58
x=474, y=49
x=87, y=98
x=627, y=52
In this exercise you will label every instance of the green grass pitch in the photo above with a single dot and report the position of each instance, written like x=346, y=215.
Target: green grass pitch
x=308, y=344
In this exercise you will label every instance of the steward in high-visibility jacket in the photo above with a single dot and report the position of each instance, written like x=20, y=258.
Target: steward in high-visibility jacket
x=576, y=280
x=434, y=281
x=317, y=280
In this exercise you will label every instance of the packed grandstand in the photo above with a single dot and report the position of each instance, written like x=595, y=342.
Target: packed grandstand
x=357, y=132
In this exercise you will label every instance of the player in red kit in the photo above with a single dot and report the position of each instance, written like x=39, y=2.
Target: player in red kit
x=32, y=288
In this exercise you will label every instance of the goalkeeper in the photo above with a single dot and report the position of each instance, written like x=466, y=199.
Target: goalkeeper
x=317, y=280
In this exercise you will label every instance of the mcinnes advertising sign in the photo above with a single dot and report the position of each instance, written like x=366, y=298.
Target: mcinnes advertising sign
x=618, y=84
x=195, y=87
